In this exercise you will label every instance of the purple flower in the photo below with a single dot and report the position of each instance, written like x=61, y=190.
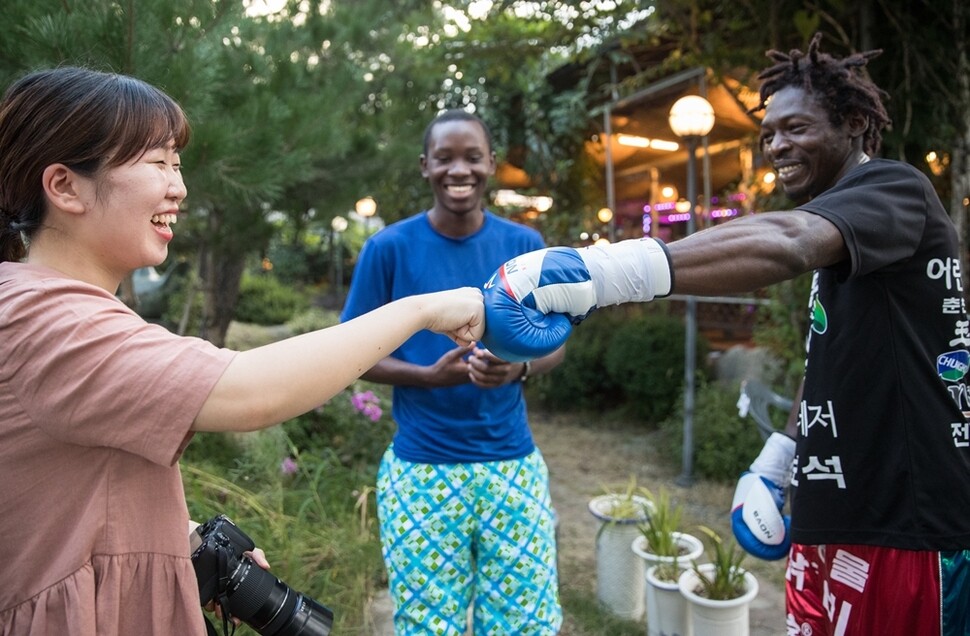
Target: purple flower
x=361, y=399
x=368, y=404
x=288, y=466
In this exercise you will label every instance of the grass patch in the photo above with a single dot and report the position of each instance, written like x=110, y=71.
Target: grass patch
x=589, y=618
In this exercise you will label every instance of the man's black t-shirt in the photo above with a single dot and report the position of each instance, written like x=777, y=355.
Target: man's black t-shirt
x=883, y=452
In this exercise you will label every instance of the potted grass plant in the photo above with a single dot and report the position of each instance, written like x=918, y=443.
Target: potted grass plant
x=619, y=578
x=666, y=552
x=719, y=593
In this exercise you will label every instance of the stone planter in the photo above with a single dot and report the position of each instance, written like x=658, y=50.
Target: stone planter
x=619, y=578
x=666, y=608
x=707, y=617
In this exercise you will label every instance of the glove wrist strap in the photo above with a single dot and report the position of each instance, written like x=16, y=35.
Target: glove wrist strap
x=636, y=270
x=774, y=461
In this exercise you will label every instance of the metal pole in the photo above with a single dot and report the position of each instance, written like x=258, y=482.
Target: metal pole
x=690, y=337
x=608, y=130
x=610, y=187
x=338, y=265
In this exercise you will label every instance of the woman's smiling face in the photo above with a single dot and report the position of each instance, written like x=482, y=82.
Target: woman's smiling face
x=135, y=205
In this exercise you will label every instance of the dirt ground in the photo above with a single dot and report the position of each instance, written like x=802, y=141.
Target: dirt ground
x=584, y=458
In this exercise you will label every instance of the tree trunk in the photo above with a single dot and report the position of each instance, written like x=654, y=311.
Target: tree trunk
x=221, y=294
x=221, y=273
x=126, y=292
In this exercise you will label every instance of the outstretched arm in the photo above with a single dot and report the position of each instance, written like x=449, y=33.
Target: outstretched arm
x=532, y=299
x=753, y=252
x=276, y=382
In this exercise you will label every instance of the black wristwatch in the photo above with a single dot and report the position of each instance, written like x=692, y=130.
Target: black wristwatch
x=526, y=370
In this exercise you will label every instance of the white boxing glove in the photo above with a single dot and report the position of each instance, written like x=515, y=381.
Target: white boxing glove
x=531, y=299
x=756, y=518
x=553, y=280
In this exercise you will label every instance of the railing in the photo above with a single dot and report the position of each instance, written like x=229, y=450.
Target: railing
x=724, y=319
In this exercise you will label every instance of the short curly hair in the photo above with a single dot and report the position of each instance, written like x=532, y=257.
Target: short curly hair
x=840, y=84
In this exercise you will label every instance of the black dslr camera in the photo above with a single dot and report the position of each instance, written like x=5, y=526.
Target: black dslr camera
x=248, y=592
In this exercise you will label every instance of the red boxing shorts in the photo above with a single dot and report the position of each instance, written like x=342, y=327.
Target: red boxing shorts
x=855, y=590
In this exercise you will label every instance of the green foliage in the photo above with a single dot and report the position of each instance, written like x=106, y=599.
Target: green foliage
x=353, y=426
x=263, y=300
x=592, y=618
x=632, y=502
x=316, y=526
x=663, y=522
x=581, y=381
x=724, y=442
x=303, y=492
x=312, y=319
x=291, y=263
x=183, y=312
x=629, y=357
x=645, y=358
x=727, y=581
x=782, y=326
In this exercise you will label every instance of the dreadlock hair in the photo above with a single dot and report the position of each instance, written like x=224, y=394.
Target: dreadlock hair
x=840, y=85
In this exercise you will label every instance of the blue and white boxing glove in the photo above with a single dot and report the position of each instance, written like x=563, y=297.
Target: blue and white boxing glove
x=533, y=300
x=756, y=518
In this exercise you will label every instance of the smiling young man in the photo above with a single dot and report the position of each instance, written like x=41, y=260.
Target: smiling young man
x=877, y=451
x=463, y=494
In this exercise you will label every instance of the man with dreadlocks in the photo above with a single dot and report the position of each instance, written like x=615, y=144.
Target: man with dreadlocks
x=877, y=451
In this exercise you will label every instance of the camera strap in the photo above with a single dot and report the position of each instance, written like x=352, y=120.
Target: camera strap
x=210, y=629
x=222, y=598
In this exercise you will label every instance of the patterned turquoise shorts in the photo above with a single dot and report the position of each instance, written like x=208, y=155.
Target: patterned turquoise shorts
x=454, y=534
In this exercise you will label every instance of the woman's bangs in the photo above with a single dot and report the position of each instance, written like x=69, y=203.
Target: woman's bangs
x=147, y=119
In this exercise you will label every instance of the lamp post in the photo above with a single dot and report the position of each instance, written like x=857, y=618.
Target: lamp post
x=366, y=207
x=338, y=225
x=605, y=216
x=691, y=118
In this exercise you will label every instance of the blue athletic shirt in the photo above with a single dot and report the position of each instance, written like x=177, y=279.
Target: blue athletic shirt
x=455, y=424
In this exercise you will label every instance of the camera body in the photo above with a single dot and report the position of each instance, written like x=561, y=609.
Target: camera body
x=248, y=592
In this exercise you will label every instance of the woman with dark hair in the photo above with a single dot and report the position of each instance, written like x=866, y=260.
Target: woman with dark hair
x=96, y=405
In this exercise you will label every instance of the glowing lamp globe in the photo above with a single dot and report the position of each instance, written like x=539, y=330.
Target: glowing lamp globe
x=691, y=116
x=366, y=207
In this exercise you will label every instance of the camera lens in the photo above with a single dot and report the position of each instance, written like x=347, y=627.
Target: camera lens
x=309, y=618
x=271, y=607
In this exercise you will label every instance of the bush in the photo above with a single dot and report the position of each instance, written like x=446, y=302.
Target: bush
x=185, y=303
x=307, y=262
x=312, y=319
x=645, y=358
x=355, y=425
x=725, y=444
x=629, y=357
x=263, y=300
x=781, y=328
x=581, y=381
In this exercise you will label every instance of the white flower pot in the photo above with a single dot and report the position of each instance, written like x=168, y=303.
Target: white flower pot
x=619, y=579
x=666, y=607
x=691, y=547
x=709, y=617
